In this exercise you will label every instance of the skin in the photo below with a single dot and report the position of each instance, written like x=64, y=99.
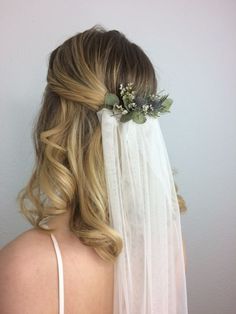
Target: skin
x=29, y=280
x=28, y=275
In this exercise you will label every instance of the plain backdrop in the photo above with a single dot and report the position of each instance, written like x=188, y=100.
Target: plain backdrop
x=192, y=45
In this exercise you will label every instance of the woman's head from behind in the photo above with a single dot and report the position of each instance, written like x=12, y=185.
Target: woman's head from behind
x=69, y=170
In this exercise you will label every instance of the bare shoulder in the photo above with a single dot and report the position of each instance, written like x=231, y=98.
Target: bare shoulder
x=25, y=249
x=29, y=279
x=24, y=262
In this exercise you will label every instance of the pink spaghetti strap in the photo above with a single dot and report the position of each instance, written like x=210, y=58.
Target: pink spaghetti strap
x=60, y=274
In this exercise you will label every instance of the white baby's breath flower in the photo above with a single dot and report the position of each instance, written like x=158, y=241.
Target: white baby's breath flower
x=118, y=106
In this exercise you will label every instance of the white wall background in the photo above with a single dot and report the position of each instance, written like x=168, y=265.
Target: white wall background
x=193, y=47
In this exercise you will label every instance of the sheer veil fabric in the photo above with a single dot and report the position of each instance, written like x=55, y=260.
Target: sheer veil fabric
x=150, y=272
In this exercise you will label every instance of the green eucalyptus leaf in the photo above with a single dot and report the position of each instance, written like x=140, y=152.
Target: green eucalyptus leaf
x=138, y=117
x=167, y=104
x=155, y=113
x=126, y=117
x=111, y=100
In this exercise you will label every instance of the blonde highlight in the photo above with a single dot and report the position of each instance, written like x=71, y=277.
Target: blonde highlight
x=69, y=168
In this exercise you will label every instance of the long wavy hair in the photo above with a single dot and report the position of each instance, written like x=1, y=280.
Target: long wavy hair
x=69, y=171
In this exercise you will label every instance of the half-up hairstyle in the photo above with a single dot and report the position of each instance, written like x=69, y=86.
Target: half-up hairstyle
x=69, y=170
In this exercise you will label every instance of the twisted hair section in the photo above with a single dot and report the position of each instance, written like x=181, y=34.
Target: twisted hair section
x=68, y=174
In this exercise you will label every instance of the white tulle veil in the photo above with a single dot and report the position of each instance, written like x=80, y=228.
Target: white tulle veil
x=143, y=206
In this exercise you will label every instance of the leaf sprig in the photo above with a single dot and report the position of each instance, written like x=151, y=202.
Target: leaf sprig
x=136, y=107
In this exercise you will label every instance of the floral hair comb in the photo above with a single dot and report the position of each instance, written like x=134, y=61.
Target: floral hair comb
x=137, y=107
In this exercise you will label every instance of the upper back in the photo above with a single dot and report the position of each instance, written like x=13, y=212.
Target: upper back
x=29, y=264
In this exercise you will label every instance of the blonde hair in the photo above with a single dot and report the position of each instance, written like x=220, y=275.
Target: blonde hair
x=69, y=170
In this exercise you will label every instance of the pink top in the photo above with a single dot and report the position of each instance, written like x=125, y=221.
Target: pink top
x=60, y=275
